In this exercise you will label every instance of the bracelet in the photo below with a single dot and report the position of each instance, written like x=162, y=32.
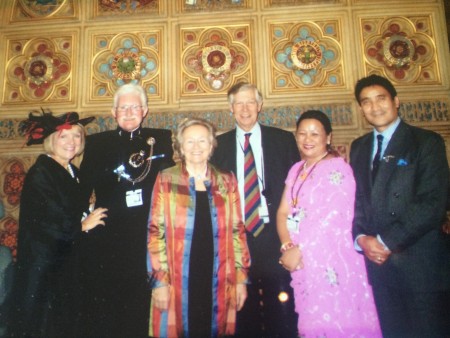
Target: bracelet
x=286, y=246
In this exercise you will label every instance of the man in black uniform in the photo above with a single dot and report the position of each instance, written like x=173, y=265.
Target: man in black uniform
x=119, y=167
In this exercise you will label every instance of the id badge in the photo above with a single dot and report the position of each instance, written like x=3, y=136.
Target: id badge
x=134, y=198
x=293, y=224
x=264, y=213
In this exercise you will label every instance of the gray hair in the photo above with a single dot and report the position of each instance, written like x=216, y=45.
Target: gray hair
x=243, y=86
x=131, y=88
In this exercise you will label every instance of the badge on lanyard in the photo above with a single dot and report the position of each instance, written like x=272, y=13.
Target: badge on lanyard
x=134, y=198
x=264, y=213
x=293, y=224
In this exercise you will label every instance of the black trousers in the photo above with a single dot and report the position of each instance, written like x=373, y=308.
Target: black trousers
x=264, y=315
x=412, y=314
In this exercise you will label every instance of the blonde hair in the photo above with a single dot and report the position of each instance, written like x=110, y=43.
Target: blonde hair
x=48, y=141
x=189, y=122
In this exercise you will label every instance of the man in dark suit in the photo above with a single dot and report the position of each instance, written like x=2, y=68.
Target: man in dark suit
x=400, y=203
x=120, y=168
x=266, y=312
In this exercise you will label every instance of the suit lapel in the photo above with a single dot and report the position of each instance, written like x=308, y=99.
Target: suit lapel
x=265, y=152
x=230, y=161
x=399, y=142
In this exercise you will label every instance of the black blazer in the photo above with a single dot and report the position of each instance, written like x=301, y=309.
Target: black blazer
x=280, y=153
x=405, y=206
x=124, y=236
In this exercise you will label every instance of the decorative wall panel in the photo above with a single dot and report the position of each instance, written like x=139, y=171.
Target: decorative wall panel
x=24, y=10
x=306, y=55
x=401, y=48
x=214, y=58
x=425, y=111
x=273, y=3
x=378, y=2
x=190, y=6
x=125, y=7
x=119, y=58
x=39, y=69
x=12, y=176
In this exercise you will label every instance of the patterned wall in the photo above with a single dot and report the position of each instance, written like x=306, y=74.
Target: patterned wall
x=72, y=55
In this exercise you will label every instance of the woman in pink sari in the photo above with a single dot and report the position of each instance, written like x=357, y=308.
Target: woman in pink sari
x=314, y=220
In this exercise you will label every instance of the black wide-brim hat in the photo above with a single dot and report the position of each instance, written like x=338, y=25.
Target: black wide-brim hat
x=40, y=125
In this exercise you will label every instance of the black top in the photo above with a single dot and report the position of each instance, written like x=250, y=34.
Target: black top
x=200, y=270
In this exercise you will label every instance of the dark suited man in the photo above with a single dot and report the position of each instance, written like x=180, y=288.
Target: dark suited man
x=398, y=216
x=120, y=167
x=275, y=151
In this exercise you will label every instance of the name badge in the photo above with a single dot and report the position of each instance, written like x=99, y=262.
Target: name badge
x=134, y=198
x=264, y=214
x=293, y=224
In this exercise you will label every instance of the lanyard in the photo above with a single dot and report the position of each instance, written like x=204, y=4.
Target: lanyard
x=302, y=174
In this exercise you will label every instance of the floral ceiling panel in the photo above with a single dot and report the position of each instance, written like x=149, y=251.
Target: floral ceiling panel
x=211, y=5
x=401, y=48
x=214, y=58
x=39, y=69
x=273, y=3
x=24, y=10
x=119, y=58
x=306, y=55
x=125, y=7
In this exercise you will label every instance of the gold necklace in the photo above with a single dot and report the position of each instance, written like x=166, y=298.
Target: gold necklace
x=304, y=173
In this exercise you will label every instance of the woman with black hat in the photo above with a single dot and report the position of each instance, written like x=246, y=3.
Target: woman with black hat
x=50, y=221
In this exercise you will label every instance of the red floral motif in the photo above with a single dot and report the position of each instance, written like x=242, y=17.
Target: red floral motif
x=43, y=70
x=398, y=50
x=8, y=237
x=13, y=183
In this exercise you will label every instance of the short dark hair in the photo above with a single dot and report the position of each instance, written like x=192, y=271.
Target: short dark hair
x=373, y=80
x=316, y=115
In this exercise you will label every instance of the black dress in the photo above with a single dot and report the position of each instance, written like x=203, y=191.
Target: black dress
x=200, y=270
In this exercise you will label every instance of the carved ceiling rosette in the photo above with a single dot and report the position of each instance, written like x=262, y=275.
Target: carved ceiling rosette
x=401, y=48
x=214, y=58
x=306, y=55
x=126, y=58
x=39, y=70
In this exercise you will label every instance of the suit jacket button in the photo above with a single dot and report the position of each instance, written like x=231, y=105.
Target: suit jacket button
x=393, y=213
x=396, y=195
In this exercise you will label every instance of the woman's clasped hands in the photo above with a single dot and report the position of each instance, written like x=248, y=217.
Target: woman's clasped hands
x=292, y=259
x=161, y=297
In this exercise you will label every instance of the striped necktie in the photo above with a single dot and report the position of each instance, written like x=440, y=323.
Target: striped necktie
x=253, y=223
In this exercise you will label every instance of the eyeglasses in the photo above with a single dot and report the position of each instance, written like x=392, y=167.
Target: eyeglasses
x=134, y=108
